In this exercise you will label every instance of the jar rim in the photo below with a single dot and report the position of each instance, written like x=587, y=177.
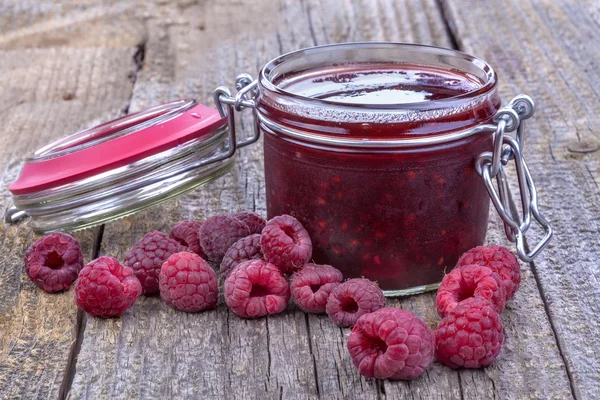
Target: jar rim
x=266, y=78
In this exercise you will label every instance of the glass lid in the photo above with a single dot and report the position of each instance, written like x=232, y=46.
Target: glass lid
x=120, y=167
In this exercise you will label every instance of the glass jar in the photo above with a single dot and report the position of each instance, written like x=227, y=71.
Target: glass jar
x=400, y=213
x=379, y=149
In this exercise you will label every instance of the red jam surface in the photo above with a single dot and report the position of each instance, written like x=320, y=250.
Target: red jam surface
x=399, y=216
x=380, y=84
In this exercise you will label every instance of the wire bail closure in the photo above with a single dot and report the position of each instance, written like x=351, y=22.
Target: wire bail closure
x=227, y=105
x=491, y=165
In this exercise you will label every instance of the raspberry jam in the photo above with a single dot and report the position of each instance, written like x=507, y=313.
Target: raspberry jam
x=398, y=212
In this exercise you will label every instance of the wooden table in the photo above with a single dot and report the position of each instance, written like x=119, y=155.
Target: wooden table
x=67, y=65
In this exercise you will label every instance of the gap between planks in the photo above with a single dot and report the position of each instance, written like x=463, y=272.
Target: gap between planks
x=65, y=387
x=540, y=288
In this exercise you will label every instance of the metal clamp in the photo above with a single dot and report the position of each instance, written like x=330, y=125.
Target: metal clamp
x=227, y=104
x=492, y=165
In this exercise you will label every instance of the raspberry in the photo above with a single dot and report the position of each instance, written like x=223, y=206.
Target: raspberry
x=470, y=336
x=218, y=233
x=256, y=288
x=352, y=299
x=106, y=288
x=253, y=221
x=500, y=260
x=245, y=249
x=286, y=243
x=470, y=281
x=312, y=285
x=391, y=344
x=186, y=233
x=147, y=256
x=53, y=262
x=188, y=283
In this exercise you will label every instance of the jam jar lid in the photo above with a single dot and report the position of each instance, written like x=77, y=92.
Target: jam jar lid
x=120, y=167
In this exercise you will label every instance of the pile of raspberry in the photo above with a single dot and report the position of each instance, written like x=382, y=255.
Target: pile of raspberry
x=174, y=266
x=469, y=301
x=262, y=264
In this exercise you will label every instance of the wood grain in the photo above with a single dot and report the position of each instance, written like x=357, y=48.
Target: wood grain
x=549, y=49
x=38, y=330
x=66, y=65
x=47, y=91
x=290, y=355
x=279, y=356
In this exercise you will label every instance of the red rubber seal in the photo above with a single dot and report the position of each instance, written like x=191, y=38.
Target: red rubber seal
x=199, y=121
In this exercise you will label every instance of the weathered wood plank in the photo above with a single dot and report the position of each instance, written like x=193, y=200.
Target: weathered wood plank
x=40, y=24
x=39, y=330
x=46, y=92
x=547, y=49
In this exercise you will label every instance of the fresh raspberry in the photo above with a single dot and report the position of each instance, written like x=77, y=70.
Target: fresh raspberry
x=256, y=288
x=470, y=336
x=148, y=255
x=187, y=234
x=470, y=281
x=500, y=260
x=218, y=233
x=352, y=299
x=391, y=344
x=53, y=262
x=312, y=285
x=253, y=221
x=106, y=288
x=245, y=249
x=286, y=243
x=188, y=283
